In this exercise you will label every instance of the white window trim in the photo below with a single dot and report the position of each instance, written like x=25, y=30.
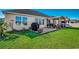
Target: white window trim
x=21, y=19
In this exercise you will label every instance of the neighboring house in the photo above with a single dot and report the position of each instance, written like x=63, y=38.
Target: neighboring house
x=74, y=21
x=60, y=20
x=57, y=20
x=23, y=18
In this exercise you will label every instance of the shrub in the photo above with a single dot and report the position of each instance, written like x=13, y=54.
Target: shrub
x=3, y=27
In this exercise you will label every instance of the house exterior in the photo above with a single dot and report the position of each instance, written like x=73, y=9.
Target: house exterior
x=23, y=18
x=20, y=19
x=60, y=20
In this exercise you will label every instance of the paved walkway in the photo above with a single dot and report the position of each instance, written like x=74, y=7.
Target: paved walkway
x=48, y=30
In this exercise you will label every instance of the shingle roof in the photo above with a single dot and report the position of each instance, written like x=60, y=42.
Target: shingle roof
x=27, y=11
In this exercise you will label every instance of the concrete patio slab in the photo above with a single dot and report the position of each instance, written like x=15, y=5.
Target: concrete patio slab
x=45, y=30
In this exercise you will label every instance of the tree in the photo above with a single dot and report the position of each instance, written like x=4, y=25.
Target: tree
x=3, y=27
x=62, y=17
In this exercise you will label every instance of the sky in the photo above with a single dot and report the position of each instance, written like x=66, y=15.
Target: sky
x=71, y=13
x=1, y=14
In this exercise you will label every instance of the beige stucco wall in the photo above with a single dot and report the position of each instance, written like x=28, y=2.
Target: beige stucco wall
x=10, y=18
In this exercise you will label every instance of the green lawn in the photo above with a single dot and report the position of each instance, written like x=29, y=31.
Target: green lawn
x=64, y=38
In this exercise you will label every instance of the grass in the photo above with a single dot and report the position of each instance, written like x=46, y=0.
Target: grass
x=64, y=38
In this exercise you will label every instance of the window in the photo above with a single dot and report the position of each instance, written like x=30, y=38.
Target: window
x=21, y=20
x=39, y=21
x=42, y=21
x=24, y=21
x=18, y=20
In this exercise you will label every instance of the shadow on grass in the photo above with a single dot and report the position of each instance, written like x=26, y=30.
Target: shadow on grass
x=31, y=34
x=75, y=28
x=27, y=33
x=9, y=37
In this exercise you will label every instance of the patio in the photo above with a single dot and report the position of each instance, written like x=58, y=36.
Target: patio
x=45, y=30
